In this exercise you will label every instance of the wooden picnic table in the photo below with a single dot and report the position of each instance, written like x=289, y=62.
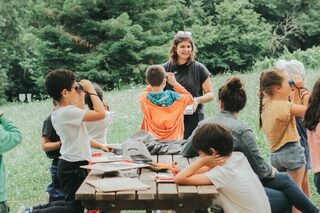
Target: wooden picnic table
x=160, y=196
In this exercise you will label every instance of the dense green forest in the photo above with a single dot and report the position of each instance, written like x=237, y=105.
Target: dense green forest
x=112, y=42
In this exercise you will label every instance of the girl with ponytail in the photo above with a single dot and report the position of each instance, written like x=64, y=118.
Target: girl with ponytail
x=277, y=120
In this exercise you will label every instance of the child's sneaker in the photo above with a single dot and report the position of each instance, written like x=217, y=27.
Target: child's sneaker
x=25, y=210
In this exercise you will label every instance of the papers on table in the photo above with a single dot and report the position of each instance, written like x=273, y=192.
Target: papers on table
x=164, y=178
x=114, y=166
x=118, y=184
x=106, y=159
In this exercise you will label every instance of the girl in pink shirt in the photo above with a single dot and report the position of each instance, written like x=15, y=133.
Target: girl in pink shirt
x=312, y=123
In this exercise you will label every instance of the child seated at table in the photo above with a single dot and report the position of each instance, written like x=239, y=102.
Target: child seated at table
x=239, y=188
x=163, y=110
x=97, y=130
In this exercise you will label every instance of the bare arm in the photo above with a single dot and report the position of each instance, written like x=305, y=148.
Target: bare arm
x=48, y=146
x=96, y=145
x=98, y=111
x=191, y=175
x=300, y=97
x=207, y=94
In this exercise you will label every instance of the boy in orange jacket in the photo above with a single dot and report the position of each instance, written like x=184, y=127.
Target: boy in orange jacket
x=163, y=110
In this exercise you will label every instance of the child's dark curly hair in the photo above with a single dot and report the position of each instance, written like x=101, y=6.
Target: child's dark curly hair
x=57, y=81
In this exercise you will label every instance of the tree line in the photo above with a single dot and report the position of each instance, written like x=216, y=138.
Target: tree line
x=111, y=42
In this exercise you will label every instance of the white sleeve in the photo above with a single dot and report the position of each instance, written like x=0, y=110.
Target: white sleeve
x=109, y=117
x=217, y=177
x=73, y=115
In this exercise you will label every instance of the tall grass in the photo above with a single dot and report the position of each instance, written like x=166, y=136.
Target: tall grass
x=27, y=165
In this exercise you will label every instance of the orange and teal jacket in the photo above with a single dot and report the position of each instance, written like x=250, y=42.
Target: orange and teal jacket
x=166, y=123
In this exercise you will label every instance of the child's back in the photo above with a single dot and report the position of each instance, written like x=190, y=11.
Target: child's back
x=163, y=110
x=239, y=188
x=67, y=121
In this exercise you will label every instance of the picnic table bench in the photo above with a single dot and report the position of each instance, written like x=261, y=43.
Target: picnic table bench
x=162, y=196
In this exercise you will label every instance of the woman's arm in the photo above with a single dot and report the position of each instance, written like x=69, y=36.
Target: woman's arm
x=207, y=94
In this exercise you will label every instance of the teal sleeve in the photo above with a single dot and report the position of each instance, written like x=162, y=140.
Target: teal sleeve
x=10, y=136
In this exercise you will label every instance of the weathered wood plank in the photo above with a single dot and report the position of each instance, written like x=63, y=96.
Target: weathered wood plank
x=208, y=190
x=184, y=191
x=166, y=190
x=86, y=191
x=147, y=177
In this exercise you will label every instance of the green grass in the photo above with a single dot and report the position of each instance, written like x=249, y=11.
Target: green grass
x=27, y=165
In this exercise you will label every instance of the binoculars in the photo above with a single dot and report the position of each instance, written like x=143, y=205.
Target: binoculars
x=78, y=87
x=291, y=82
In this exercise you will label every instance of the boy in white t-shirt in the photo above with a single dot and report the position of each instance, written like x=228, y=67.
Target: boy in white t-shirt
x=68, y=120
x=239, y=188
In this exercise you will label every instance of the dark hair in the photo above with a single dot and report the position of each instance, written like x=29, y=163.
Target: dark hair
x=211, y=135
x=155, y=75
x=268, y=80
x=87, y=98
x=178, y=38
x=312, y=116
x=57, y=81
x=233, y=95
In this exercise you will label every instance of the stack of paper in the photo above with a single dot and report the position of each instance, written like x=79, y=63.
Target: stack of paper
x=114, y=166
x=188, y=110
x=118, y=184
x=105, y=159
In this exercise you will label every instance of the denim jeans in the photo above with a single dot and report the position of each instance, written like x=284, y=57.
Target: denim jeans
x=284, y=183
x=191, y=122
x=54, y=189
x=278, y=201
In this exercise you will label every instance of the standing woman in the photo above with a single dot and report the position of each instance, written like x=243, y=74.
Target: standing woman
x=192, y=75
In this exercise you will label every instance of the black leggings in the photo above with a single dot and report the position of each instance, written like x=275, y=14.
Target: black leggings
x=191, y=122
x=71, y=177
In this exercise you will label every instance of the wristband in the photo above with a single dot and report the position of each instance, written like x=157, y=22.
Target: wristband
x=89, y=93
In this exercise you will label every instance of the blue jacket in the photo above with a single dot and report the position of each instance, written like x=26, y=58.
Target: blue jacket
x=243, y=141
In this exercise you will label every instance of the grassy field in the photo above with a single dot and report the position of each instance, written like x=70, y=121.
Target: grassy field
x=27, y=165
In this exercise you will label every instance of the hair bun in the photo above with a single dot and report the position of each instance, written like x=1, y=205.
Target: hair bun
x=234, y=84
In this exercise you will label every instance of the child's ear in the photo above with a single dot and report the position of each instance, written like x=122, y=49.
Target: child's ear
x=212, y=151
x=64, y=92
